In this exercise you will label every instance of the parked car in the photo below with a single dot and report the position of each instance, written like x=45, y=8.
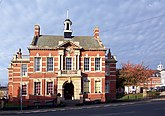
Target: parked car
x=159, y=88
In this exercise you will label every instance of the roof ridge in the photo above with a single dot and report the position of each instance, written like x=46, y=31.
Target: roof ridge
x=72, y=36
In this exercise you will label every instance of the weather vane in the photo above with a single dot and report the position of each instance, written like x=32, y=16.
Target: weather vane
x=67, y=14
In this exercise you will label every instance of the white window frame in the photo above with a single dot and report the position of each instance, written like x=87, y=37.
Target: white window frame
x=107, y=87
x=66, y=63
x=89, y=81
x=89, y=64
x=24, y=74
x=99, y=64
x=47, y=64
x=107, y=70
x=34, y=87
x=35, y=64
x=46, y=82
x=98, y=80
x=26, y=89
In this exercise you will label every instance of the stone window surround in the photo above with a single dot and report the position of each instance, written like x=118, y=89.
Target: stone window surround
x=98, y=80
x=49, y=80
x=38, y=56
x=89, y=80
x=37, y=80
x=47, y=64
x=25, y=83
x=26, y=73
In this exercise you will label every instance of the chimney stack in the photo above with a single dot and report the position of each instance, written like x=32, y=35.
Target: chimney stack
x=19, y=54
x=96, y=32
x=36, y=30
x=109, y=54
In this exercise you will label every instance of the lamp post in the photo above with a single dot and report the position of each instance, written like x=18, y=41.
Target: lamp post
x=22, y=73
x=21, y=93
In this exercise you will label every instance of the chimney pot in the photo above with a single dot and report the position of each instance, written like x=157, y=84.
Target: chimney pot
x=96, y=32
x=36, y=30
x=19, y=54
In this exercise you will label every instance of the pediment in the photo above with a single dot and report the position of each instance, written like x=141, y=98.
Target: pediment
x=66, y=44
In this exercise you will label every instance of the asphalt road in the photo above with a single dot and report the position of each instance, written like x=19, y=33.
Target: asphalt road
x=150, y=108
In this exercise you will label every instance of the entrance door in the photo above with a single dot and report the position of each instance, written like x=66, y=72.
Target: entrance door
x=68, y=90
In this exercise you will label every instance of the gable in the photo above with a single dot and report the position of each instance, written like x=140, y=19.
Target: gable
x=66, y=44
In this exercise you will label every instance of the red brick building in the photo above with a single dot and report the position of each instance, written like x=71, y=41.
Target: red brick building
x=66, y=64
x=154, y=80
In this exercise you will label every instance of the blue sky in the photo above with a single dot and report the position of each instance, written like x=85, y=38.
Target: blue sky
x=126, y=26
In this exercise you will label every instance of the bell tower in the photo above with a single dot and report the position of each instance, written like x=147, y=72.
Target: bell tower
x=67, y=27
x=160, y=67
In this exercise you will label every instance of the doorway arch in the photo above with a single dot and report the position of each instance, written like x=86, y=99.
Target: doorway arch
x=68, y=90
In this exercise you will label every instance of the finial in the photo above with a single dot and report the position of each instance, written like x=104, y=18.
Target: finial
x=67, y=13
x=109, y=51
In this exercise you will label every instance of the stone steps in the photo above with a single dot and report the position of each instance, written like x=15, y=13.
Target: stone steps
x=71, y=102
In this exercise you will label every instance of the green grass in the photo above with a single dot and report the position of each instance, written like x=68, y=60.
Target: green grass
x=132, y=96
x=153, y=94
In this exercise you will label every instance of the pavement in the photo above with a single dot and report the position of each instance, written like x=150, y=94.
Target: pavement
x=76, y=107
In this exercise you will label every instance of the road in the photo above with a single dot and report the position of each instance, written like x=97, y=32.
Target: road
x=150, y=108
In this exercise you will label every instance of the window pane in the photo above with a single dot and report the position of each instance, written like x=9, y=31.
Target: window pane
x=106, y=69
x=49, y=88
x=86, y=64
x=107, y=87
x=50, y=64
x=68, y=63
x=86, y=86
x=97, y=87
x=97, y=64
x=37, y=64
x=37, y=86
x=24, y=70
x=24, y=87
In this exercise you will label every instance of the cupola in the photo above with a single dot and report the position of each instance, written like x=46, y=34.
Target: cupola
x=160, y=67
x=67, y=28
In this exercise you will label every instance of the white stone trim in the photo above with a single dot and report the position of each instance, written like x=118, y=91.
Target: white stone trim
x=44, y=56
x=100, y=80
x=48, y=80
x=86, y=55
x=71, y=62
x=50, y=55
x=19, y=82
x=47, y=64
x=37, y=55
x=40, y=64
x=26, y=83
x=101, y=67
x=75, y=63
x=42, y=78
x=78, y=62
x=84, y=79
x=37, y=80
x=100, y=64
x=108, y=81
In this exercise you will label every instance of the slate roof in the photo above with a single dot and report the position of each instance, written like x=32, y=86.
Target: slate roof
x=51, y=42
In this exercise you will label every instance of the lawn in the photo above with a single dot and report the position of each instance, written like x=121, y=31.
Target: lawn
x=131, y=96
x=150, y=94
